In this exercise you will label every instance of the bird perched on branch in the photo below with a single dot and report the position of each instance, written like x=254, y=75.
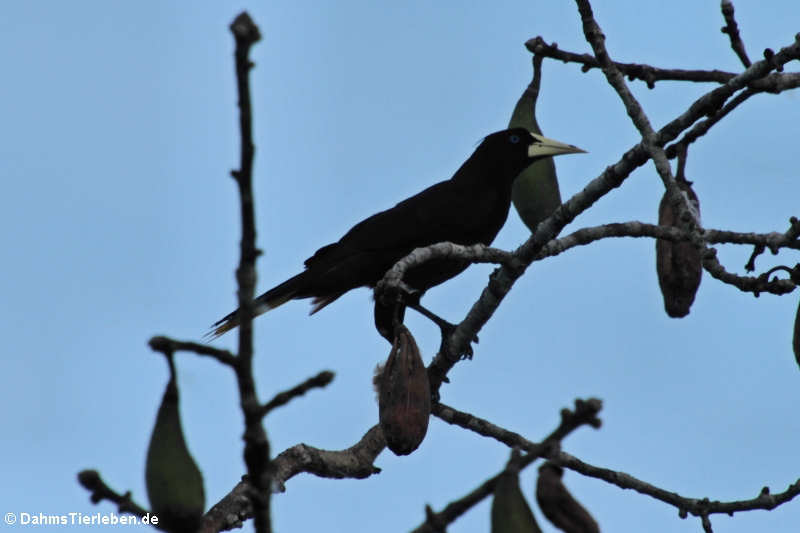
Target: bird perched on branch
x=469, y=208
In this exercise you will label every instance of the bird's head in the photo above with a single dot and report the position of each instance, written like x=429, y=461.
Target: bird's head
x=516, y=148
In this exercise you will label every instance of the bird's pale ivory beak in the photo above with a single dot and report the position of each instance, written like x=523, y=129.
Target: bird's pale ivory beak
x=542, y=146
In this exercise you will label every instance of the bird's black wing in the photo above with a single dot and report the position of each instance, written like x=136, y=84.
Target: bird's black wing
x=446, y=211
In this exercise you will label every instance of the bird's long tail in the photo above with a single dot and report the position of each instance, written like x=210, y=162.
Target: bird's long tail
x=275, y=297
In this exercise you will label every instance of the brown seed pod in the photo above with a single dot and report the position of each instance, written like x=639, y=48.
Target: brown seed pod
x=558, y=505
x=678, y=264
x=404, y=396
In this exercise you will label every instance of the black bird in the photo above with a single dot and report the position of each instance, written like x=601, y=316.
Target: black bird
x=469, y=208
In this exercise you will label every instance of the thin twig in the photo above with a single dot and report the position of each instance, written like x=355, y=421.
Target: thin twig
x=694, y=506
x=706, y=523
x=634, y=71
x=794, y=229
x=758, y=249
x=650, y=75
x=756, y=285
x=91, y=481
x=702, y=127
x=282, y=398
x=595, y=37
x=483, y=427
x=732, y=29
x=165, y=344
x=585, y=413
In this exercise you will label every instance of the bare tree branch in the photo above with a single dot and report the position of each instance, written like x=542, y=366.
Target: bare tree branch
x=256, y=448
x=650, y=75
x=321, y=380
x=585, y=413
x=745, y=283
x=584, y=236
x=231, y=511
x=595, y=37
x=695, y=506
x=774, y=240
x=706, y=522
x=792, y=235
x=355, y=462
x=165, y=344
x=702, y=127
x=483, y=254
x=476, y=253
x=732, y=29
x=91, y=481
x=483, y=427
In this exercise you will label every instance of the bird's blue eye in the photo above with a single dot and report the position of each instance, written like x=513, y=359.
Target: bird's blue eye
x=514, y=139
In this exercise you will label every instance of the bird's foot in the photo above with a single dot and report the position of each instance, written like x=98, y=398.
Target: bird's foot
x=447, y=330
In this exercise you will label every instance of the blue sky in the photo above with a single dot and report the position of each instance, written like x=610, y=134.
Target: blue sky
x=120, y=222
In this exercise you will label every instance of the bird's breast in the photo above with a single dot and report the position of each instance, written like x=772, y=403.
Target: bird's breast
x=486, y=217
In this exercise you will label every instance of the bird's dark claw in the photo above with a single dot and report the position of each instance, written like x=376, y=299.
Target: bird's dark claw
x=447, y=330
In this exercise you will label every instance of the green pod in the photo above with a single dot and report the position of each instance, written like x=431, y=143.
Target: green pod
x=796, y=336
x=535, y=191
x=174, y=482
x=510, y=511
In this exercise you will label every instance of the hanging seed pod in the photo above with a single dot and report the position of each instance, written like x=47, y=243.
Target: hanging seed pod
x=796, y=337
x=174, y=482
x=535, y=191
x=510, y=510
x=558, y=505
x=678, y=264
x=404, y=396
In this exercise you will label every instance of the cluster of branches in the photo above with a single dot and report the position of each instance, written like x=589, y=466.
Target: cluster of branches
x=251, y=497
